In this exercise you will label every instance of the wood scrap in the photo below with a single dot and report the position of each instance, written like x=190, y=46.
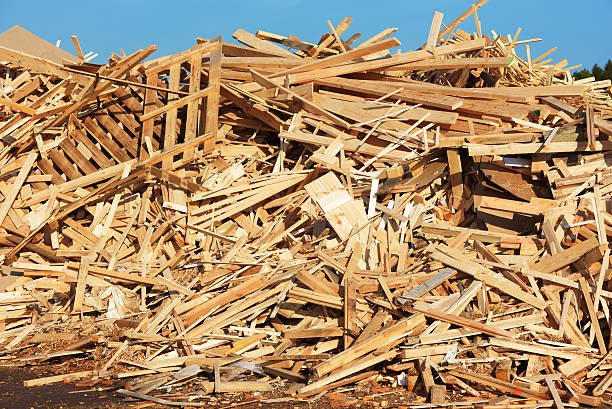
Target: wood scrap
x=329, y=213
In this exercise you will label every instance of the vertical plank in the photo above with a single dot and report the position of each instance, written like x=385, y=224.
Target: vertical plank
x=605, y=264
x=590, y=128
x=456, y=178
x=148, y=106
x=81, y=280
x=171, y=115
x=191, y=127
x=350, y=294
x=86, y=261
x=600, y=210
x=77, y=47
x=476, y=20
x=434, y=30
x=584, y=286
x=212, y=102
x=551, y=238
x=554, y=392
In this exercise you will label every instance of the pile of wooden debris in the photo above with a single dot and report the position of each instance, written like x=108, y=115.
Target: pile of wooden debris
x=323, y=214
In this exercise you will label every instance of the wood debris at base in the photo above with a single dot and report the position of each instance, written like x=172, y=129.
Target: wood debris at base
x=323, y=214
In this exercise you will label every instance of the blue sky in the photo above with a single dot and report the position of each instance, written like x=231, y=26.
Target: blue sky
x=581, y=30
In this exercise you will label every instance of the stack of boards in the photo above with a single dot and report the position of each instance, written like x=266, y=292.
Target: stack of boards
x=329, y=215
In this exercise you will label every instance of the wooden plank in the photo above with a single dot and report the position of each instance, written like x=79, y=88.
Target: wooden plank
x=505, y=387
x=164, y=63
x=38, y=65
x=7, y=204
x=308, y=105
x=319, y=64
x=533, y=348
x=77, y=47
x=193, y=108
x=427, y=285
x=456, y=176
x=434, y=30
x=367, y=112
x=363, y=364
x=530, y=148
x=379, y=340
x=149, y=105
x=170, y=134
x=92, y=126
x=179, y=103
x=351, y=145
x=199, y=306
x=343, y=213
x=251, y=40
x=450, y=27
x=464, y=322
x=17, y=107
x=454, y=63
x=454, y=259
x=350, y=294
x=127, y=142
x=566, y=257
x=367, y=87
x=326, y=68
x=57, y=378
x=212, y=102
x=586, y=293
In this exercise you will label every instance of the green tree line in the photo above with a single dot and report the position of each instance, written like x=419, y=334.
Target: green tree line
x=599, y=73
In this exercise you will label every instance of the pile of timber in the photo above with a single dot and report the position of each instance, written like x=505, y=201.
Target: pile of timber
x=329, y=215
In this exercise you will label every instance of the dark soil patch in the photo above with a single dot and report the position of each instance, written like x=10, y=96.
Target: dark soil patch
x=13, y=395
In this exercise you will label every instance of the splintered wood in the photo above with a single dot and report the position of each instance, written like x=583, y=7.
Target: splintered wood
x=331, y=215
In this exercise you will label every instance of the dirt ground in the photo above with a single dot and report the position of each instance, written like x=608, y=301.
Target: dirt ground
x=103, y=395
x=13, y=395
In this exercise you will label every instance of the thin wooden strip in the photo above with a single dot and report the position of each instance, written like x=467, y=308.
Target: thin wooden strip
x=176, y=104
x=464, y=322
